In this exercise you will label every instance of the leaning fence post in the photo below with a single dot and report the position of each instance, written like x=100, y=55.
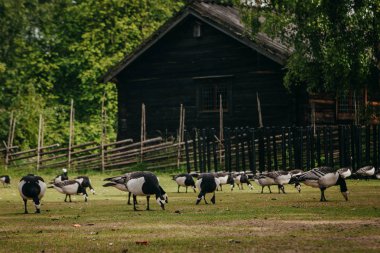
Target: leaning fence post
x=274, y=148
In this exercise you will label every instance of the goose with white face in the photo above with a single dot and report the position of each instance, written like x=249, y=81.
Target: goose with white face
x=141, y=183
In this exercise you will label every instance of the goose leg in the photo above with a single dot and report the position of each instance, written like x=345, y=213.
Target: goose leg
x=147, y=202
x=186, y=189
x=279, y=189
x=262, y=189
x=134, y=202
x=66, y=198
x=26, y=210
x=178, y=189
x=283, y=189
x=270, y=191
x=221, y=189
x=200, y=196
x=213, y=199
x=129, y=198
x=323, y=198
x=36, y=201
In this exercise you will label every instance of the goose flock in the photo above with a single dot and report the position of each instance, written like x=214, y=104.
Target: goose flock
x=140, y=183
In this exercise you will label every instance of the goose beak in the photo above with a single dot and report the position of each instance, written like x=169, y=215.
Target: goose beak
x=345, y=195
x=298, y=187
x=250, y=187
x=93, y=191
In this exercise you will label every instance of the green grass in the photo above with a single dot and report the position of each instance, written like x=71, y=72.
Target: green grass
x=241, y=221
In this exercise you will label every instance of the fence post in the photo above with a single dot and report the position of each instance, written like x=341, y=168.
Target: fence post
x=215, y=156
x=261, y=150
x=367, y=143
x=253, y=168
x=188, y=167
x=353, y=151
x=269, y=151
x=243, y=135
x=237, y=150
x=283, y=148
x=331, y=146
x=195, y=149
x=204, y=150
x=290, y=146
x=228, y=159
x=200, y=153
x=274, y=148
x=208, y=148
x=308, y=147
x=318, y=144
x=359, y=146
x=374, y=153
x=341, y=145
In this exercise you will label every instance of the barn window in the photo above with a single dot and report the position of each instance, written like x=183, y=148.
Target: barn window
x=345, y=104
x=197, y=30
x=211, y=97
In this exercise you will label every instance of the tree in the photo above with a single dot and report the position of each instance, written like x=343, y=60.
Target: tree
x=335, y=45
x=53, y=51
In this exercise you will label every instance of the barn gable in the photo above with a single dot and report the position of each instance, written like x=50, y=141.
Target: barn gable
x=200, y=54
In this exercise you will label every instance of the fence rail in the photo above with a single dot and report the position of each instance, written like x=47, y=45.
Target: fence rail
x=242, y=149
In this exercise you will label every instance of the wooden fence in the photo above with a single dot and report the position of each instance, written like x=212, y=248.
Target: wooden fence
x=283, y=148
x=242, y=149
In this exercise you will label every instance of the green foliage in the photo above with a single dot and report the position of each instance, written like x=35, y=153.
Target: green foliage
x=56, y=50
x=334, y=44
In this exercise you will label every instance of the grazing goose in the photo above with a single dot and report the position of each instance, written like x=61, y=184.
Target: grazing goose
x=264, y=180
x=32, y=187
x=85, y=183
x=119, y=182
x=145, y=184
x=184, y=180
x=365, y=172
x=61, y=177
x=6, y=180
x=377, y=175
x=295, y=173
x=70, y=187
x=241, y=179
x=322, y=178
x=280, y=178
x=225, y=178
x=345, y=172
x=206, y=183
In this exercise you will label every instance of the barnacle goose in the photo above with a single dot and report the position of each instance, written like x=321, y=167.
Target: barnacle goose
x=6, y=180
x=61, y=177
x=206, y=183
x=365, y=172
x=85, y=183
x=264, y=180
x=184, y=180
x=32, y=187
x=119, y=182
x=241, y=179
x=345, y=172
x=225, y=178
x=70, y=187
x=141, y=183
x=322, y=178
x=280, y=178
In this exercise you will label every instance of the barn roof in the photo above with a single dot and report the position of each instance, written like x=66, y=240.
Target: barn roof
x=224, y=18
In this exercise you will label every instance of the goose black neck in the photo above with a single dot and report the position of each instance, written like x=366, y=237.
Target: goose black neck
x=342, y=183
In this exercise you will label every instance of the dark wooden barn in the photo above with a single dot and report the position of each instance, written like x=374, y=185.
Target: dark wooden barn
x=198, y=55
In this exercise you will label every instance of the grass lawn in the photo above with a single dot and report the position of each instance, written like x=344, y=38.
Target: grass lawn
x=240, y=221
